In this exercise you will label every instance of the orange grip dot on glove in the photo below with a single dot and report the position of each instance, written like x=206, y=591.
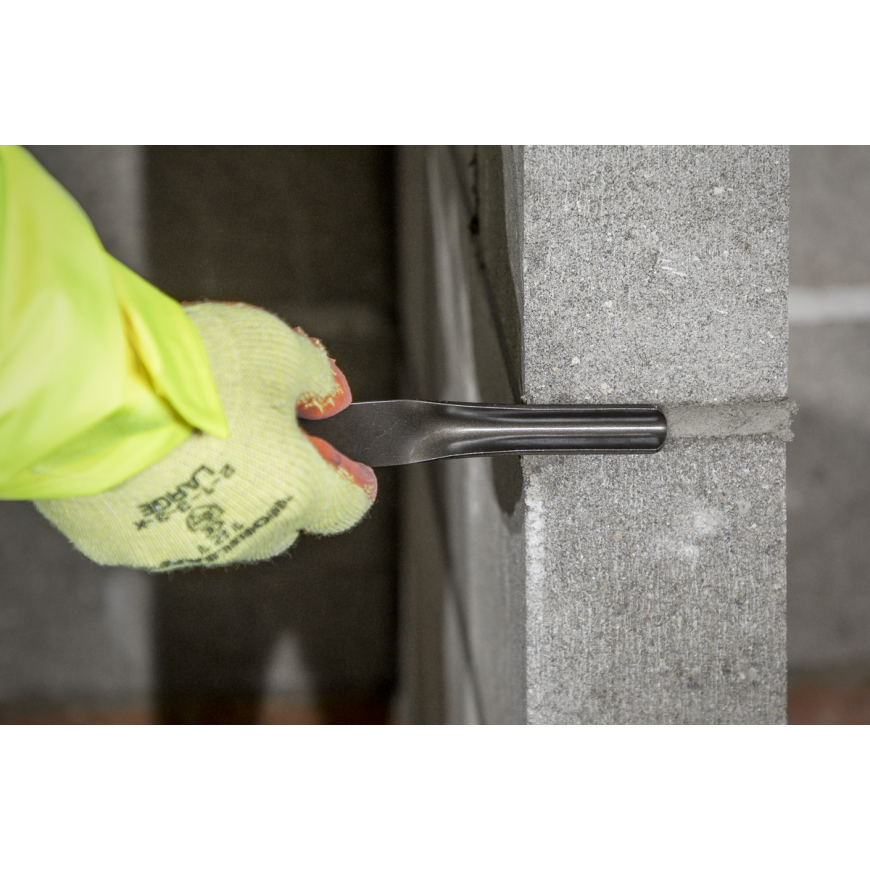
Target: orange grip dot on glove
x=309, y=408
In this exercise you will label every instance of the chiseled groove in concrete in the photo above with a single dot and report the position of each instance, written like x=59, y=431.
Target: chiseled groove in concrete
x=738, y=418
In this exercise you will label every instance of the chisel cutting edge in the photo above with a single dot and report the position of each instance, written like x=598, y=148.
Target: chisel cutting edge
x=404, y=431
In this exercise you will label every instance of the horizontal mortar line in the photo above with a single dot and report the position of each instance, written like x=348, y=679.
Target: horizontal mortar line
x=832, y=304
x=736, y=418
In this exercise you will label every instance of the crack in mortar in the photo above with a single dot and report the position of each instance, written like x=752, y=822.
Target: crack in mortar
x=739, y=418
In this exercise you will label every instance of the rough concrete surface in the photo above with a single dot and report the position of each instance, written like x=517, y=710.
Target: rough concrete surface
x=656, y=274
x=656, y=585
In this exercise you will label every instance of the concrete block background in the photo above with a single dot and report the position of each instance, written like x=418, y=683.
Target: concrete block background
x=70, y=631
x=656, y=274
x=828, y=466
x=285, y=225
x=829, y=497
x=830, y=219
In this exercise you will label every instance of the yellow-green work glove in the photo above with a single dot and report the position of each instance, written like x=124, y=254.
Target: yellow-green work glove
x=212, y=501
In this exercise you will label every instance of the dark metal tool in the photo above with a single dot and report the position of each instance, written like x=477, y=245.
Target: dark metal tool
x=404, y=431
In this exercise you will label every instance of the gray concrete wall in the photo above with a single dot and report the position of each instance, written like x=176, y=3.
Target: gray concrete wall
x=653, y=586
x=656, y=585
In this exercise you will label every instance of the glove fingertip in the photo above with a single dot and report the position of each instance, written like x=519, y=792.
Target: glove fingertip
x=362, y=475
x=311, y=407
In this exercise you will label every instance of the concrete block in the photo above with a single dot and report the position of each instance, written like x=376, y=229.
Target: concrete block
x=655, y=274
x=497, y=234
x=632, y=589
x=656, y=585
x=829, y=376
x=316, y=621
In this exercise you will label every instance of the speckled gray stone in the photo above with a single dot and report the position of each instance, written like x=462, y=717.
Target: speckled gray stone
x=655, y=274
x=656, y=585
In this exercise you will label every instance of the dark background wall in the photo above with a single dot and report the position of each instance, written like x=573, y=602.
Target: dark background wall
x=308, y=233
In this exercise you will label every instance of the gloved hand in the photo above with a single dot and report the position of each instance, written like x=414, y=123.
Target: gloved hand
x=213, y=501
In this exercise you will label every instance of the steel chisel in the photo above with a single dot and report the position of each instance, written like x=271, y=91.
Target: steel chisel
x=404, y=431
